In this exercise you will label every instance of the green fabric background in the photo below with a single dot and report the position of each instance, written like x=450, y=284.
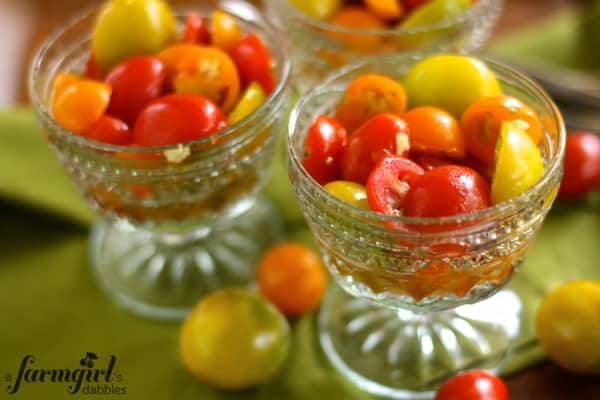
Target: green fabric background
x=51, y=308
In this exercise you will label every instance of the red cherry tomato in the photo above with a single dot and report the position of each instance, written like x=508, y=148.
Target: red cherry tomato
x=445, y=191
x=476, y=384
x=177, y=118
x=323, y=149
x=135, y=82
x=196, y=30
x=389, y=182
x=253, y=62
x=410, y=5
x=582, y=165
x=429, y=162
x=109, y=130
x=92, y=69
x=380, y=136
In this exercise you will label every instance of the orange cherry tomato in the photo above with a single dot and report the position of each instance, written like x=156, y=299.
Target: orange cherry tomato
x=225, y=30
x=292, y=277
x=367, y=96
x=386, y=9
x=62, y=80
x=358, y=18
x=79, y=104
x=435, y=131
x=481, y=124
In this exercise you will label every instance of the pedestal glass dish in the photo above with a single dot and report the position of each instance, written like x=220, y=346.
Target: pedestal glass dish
x=424, y=301
x=170, y=232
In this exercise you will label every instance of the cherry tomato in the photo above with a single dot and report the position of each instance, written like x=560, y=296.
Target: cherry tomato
x=481, y=124
x=210, y=72
x=435, y=131
x=226, y=31
x=446, y=191
x=367, y=96
x=129, y=28
x=109, y=130
x=475, y=384
x=196, y=30
x=234, y=339
x=434, y=11
x=350, y=192
x=291, y=276
x=135, y=82
x=389, y=183
x=177, y=118
x=429, y=162
x=582, y=164
x=567, y=325
x=253, y=61
x=249, y=101
x=386, y=9
x=380, y=136
x=323, y=148
x=92, y=69
x=79, y=104
x=410, y=5
x=358, y=18
x=62, y=80
x=320, y=9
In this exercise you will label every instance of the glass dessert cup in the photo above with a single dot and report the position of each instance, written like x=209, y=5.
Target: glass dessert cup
x=318, y=47
x=177, y=221
x=422, y=297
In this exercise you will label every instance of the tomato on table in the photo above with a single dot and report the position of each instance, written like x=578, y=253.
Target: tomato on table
x=226, y=31
x=177, y=118
x=367, y=96
x=253, y=61
x=389, y=183
x=481, y=123
x=380, y=136
x=350, y=192
x=234, y=339
x=196, y=30
x=291, y=276
x=582, y=165
x=135, y=82
x=435, y=131
x=109, y=130
x=475, y=384
x=323, y=149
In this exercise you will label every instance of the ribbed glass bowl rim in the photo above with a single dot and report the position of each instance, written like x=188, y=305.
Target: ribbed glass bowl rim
x=307, y=20
x=500, y=210
x=180, y=12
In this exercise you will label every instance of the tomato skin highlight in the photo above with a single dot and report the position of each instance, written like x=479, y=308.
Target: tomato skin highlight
x=177, y=118
x=380, y=136
x=475, y=384
x=323, y=149
x=135, y=82
x=582, y=165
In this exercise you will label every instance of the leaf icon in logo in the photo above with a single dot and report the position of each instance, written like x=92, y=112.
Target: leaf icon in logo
x=88, y=360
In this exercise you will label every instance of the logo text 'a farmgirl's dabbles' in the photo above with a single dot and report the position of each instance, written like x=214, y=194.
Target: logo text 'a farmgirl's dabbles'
x=93, y=376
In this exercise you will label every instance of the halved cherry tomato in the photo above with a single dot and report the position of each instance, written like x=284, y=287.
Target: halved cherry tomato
x=177, y=118
x=323, y=148
x=109, y=130
x=386, y=9
x=226, y=31
x=481, y=124
x=475, y=384
x=389, y=183
x=135, y=82
x=358, y=18
x=367, y=96
x=79, y=104
x=196, y=30
x=582, y=164
x=253, y=61
x=435, y=131
x=291, y=276
x=410, y=5
x=446, y=191
x=209, y=72
x=380, y=136
x=350, y=192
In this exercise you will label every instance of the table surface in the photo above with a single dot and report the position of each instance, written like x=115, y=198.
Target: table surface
x=23, y=23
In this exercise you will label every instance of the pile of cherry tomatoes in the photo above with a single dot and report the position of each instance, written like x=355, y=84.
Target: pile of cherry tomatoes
x=161, y=88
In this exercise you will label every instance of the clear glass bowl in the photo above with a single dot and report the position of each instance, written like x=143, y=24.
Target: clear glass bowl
x=318, y=46
x=404, y=331
x=170, y=231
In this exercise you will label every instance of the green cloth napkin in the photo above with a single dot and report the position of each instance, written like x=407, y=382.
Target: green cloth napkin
x=50, y=306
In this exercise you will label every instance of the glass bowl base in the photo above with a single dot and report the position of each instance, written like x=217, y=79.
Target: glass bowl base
x=162, y=276
x=402, y=355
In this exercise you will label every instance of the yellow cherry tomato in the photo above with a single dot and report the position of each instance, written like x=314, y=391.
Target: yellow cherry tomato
x=434, y=11
x=518, y=163
x=125, y=28
x=234, y=339
x=79, y=104
x=568, y=326
x=226, y=31
x=351, y=192
x=320, y=9
x=249, y=101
